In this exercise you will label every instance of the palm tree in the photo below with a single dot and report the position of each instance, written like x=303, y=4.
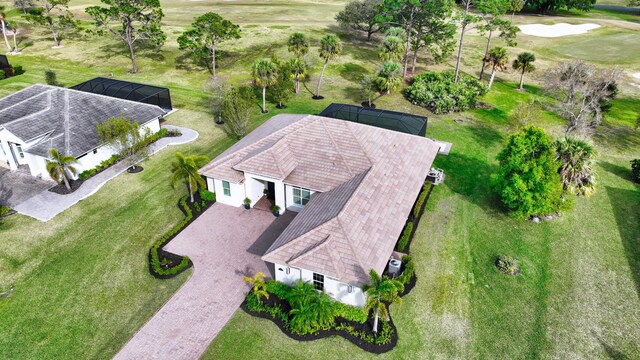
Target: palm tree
x=576, y=172
x=186, y=168
x=381, y=290
x=259, y=287
x=389, y=77
x=497, y=60
x=3, y=25
x=330, y=49
x=299, y=69
x=59, y=166
x=392, y=48
x=298, y=44
x=265, y=74
x=524, y=64
x=14, y=31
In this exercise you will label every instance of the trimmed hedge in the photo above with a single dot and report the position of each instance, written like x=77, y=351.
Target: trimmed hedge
x=409, y=270
x=437, y=92
x=163, y=264
x=405, y=237
x=421, y=198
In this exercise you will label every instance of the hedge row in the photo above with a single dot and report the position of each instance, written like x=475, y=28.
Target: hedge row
x=163, y=264
x=409, y=270
x=421, y=198
x=405, y=237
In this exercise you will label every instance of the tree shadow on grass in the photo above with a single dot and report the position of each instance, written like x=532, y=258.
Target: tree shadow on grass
x=627, y=214
x=352, y=72
x=244, y=58
x=611, y=352
x=120, y=49
x=617, y=136
x=485, y=135
x=471, y=178
x=620, y=171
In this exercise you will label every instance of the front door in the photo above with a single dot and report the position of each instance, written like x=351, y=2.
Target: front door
x=271, y=191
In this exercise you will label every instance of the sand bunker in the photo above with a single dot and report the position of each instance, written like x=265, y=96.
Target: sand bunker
x=556, y=30
x=636, y=75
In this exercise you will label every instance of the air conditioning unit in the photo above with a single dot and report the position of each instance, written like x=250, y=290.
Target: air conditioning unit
x=394, y=267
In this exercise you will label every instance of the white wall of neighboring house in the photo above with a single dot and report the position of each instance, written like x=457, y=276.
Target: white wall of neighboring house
x=350, y=295
x=289, y=199
x=254, y=189
x=237, y=192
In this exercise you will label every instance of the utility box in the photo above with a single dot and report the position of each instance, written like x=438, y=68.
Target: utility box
x=394, y=267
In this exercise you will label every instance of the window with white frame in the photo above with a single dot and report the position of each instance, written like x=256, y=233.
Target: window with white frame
x=301, y=196
x=19, y=148
x=318, y=281
x=226, y=188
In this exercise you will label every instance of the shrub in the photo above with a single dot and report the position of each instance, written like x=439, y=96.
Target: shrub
x=528, y=182
x=635, y=170
x=508, y=265
x=351, y=313
x=404, y=238
x=206, y=195
x=281, y=290
x=196, y=206
x=437, y=92
x=2, y=74
x=18, y=70
x=51, y=78
x=421, y=198
x=409, y=270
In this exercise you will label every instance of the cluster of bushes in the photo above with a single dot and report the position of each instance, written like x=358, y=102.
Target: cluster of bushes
x=635, y=170
x=102, y=166
x=312, y=311
x=408, y=272
x=11, y=71
x=115, y=158
x=437, y=91
x=162, y=265
x=421, y=198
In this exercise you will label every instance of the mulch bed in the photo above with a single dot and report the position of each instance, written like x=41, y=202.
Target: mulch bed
x=62, y=190
x=174, y=258
x=362, y=344
x=366, y=104
x=317, y=97
x=134, y=169
x=416, y=220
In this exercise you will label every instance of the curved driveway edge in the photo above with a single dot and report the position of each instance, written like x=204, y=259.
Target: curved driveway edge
x=225, y=243
x=46, y=205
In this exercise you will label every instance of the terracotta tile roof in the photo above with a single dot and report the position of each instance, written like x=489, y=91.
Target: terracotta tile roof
x=368, y=179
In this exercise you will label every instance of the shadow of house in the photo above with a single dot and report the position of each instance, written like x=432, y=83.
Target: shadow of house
x=620, y=171
x=264, y=241
x=628, y=221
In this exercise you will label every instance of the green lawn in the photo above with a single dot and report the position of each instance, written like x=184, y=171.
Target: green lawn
x=81, y=284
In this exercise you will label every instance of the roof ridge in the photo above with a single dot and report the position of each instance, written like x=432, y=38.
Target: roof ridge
x=346, y=235
x=336, y=146
x=308, y=250
x=312, y=250
x=104, y=96
x=349, y=123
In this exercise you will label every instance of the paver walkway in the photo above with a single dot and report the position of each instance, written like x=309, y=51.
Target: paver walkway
x=225, y=244
x=18, y=186
x=46, y=205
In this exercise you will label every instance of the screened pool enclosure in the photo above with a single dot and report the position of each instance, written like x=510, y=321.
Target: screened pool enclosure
x=142, y=93
x=392, y=120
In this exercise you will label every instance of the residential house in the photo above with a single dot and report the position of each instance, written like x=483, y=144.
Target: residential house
x=353, y=185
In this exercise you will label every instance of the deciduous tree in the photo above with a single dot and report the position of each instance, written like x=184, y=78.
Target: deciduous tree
x=127, y=138
x=237, y=108
x=3, y=26
x=434, y=32
x=491, y=11
x=202, y=39
x=130, y=21
x=467, y=21
x=546, y=6
x=55, y=15
x=361, y=16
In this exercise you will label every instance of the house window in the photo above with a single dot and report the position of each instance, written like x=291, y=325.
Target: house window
x=301, y=196
x=226, y=188
x=19, y=147
x=318, y=281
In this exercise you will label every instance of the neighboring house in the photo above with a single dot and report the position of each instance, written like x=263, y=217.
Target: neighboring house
x=41, y=117
x=353, y=185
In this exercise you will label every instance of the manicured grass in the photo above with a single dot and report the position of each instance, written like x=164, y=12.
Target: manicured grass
x=82, y=287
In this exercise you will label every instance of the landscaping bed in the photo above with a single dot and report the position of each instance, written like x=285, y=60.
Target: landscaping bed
x=404, y=242
x=165, y=265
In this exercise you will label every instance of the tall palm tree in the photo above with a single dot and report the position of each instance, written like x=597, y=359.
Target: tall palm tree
x=3, y=25
x=298, y=44
x=381, y=290
x=497, y=59
x=299, y=70
x=576, y=158
x=389, y=77
x=259, y=287
x=185, y=168
x=524, y=64
x=330, y=49
x=60, y=166
x=265, y=74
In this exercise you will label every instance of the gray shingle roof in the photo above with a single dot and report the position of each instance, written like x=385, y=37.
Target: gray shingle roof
x=368, y=179
x=40, y=110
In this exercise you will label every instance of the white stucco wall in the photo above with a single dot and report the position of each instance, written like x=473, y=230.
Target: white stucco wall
x=279, y=189
x=289, y=199
x=334, y=288
x=237, y=192
x=254, y=189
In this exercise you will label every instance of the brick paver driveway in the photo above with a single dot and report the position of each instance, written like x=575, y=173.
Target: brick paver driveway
x=225, y=243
